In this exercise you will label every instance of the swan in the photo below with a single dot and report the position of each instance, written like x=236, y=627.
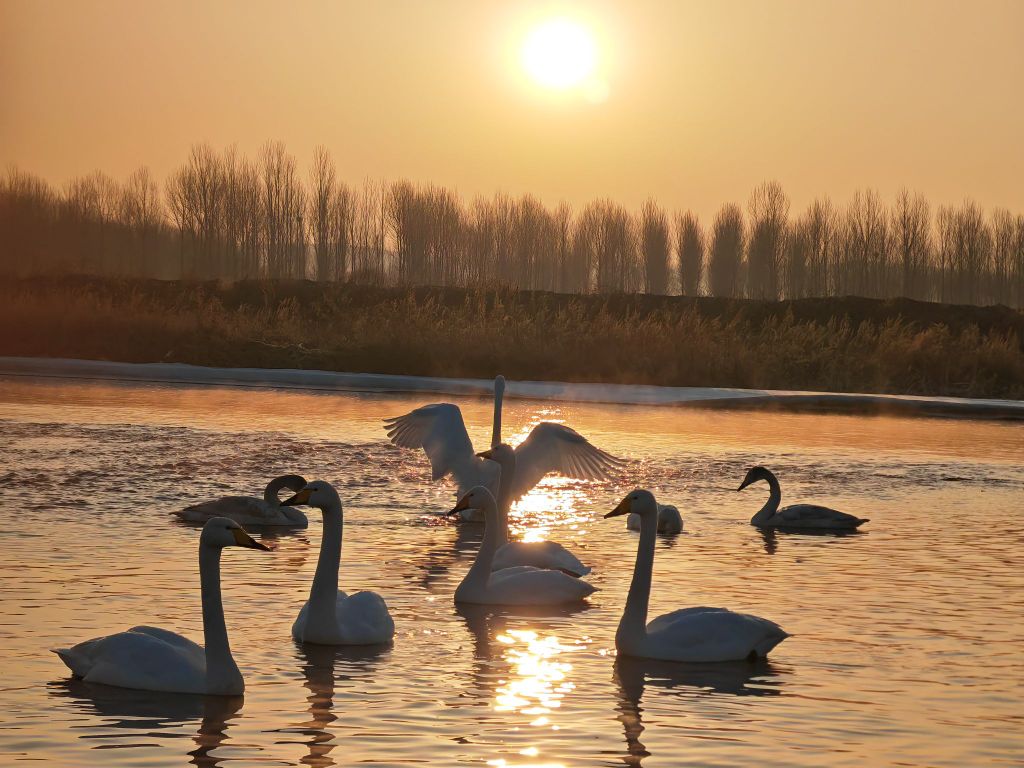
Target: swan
x=248, y=510
x=690, y=634
x=670, y=522
x=539, y=554
x=153, y=659
x=440, y=431
x=330, y=617
x=520, y=585
x=797, y=515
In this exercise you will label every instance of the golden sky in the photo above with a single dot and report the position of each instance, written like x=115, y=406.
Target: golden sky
x=698, y=101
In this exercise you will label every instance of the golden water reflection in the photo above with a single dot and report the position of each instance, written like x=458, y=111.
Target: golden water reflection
x=539, y=678
x=555, y=502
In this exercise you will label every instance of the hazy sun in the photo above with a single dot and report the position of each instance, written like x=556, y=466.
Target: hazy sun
x=559, y=54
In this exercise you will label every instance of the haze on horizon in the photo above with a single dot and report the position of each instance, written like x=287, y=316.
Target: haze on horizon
x=699, y=102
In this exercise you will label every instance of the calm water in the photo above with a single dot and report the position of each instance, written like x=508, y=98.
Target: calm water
x=907, y=639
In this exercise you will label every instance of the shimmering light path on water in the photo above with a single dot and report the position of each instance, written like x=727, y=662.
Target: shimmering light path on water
x=907, y=638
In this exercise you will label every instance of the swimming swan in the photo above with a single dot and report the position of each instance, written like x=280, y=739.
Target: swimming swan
x=690, y=634
x=330, y=617
x=670, y=522
x=520, y=585
x=797, y=515
x=440, y=431
x=539, y=554
x=248, y=510
x=152, y=659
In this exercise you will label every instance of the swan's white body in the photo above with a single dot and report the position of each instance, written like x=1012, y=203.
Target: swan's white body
x=250, y=511
x=670, y=521
x=331, y=617
x=518, y=585
x=796, y=516
x=539, y=554
x=691, y=634
x=153, y=659
x=440, y=431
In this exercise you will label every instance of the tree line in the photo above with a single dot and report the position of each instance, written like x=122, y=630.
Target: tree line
x=222, y=215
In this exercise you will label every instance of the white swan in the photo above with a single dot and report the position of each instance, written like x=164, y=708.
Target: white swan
x=330, y=617
x=521, y=585
x=796, y=515
x=670, y=522
x=691, y=634
x=539, y=554
x=248, y=510
x=440, y=431
x=152, y=659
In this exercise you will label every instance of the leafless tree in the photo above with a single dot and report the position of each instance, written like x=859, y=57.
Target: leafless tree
x=768, y=207
x=690, y=247
x=727, y=239
x=656, y=248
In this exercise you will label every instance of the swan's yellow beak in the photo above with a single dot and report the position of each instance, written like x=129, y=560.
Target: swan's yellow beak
x=461, y=505
x=302, y=497
x=243, y=539
x=624, y=508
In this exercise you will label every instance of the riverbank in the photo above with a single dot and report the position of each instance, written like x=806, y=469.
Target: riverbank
x=873, y=347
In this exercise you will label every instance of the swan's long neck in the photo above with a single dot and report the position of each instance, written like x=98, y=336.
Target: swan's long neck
x=480, y=572
x=504, y=502
x=499, y=395
x=323, y=595
x=222, y=675
x=768, y=511
x=633, y=625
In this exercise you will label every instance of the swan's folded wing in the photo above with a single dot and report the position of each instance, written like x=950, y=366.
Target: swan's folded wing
x=809, y=512
x=557, y=448
x=440, y=431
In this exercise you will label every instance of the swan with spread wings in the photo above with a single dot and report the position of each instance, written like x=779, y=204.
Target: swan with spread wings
x=440, y=431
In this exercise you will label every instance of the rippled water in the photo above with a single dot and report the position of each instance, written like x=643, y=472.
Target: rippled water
x=907, y=638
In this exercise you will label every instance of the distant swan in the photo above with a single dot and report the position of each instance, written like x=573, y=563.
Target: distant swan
x=330, y=617
x=797, y=515
x=248, y=510
x=670, y=522
x=519, y=585
x=440, y=431
x=539, y=554
x=152, y=659
x=690, y=634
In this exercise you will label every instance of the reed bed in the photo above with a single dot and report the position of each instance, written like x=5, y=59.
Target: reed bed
x=840, y=344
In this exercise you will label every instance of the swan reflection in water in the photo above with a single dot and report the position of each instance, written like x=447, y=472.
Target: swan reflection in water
x=319, y=664
x=142, y=712
x=633, y=676
x=772, y=536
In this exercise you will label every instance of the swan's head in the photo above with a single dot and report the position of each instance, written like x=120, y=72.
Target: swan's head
x=220, y=532
x=476, y=498
x=639, y=501
x=753, y=475
x=318, y=494
x=293, y=483
x=503, y=453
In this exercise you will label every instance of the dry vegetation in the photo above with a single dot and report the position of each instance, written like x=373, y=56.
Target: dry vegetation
x=839, y=344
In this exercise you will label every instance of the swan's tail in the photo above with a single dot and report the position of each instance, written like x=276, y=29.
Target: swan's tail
x=67, y=656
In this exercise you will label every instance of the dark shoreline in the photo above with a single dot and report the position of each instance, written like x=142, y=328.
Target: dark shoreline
x=837, y=345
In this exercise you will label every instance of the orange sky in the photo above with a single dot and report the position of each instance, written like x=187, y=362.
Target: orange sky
x=704, y=101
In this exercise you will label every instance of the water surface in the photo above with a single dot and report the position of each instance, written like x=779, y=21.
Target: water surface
x=907, y=638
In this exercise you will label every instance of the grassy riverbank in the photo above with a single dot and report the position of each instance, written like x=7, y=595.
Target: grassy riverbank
x=846, y=344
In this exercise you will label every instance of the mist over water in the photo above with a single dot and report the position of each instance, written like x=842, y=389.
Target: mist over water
x=906, y=636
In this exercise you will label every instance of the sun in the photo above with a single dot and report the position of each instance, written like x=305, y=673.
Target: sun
x=559, y=54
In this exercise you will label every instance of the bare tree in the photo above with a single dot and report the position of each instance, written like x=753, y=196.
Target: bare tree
x=768, y=209
x=726, y=252
x=656, y=248
x=690, y=240
x=910, y=227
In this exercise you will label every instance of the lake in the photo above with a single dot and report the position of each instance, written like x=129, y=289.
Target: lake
x=907, y=642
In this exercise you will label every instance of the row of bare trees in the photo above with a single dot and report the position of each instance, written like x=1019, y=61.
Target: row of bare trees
x=223, y=215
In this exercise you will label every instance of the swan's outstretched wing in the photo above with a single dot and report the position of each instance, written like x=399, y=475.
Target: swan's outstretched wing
x=557, y=448
x=440, y=431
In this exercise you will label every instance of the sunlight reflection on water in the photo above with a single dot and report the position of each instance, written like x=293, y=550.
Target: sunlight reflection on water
x=905, y=642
